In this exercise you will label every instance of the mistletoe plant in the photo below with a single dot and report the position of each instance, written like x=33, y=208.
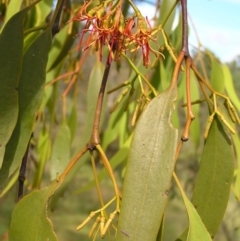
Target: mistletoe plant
x=39, y=48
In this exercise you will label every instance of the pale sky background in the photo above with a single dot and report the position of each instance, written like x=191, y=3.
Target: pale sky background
x=217, y=23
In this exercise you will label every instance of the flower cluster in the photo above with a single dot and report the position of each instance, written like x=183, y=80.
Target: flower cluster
x=106, y=26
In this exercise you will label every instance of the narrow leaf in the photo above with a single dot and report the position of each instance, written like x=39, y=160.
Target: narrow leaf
x=72, y=122
x=31, y=87
x=11, y=47
x=230, y=87
x=44, y=152
x=149, y=171
x=164, y=11
x=213, y=183
x=217, y=78
x=196, y=231
x=37, y=17
x=62, y=44
x=60, y=151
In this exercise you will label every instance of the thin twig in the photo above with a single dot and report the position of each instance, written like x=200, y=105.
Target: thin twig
x=95, y=139
x=54, y=24
x=22, y=172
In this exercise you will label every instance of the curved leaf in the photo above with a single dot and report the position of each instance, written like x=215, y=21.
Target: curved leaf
x=31, y=88
x=149, y=171
x=29, y=219
x=196, y=231
x=44, y=149
x=214, y=179
x=11, y=47
x=230, y=87
x=38, y=17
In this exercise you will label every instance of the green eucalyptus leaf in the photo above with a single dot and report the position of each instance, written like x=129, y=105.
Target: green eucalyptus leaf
x=30, y=91
x=217, y=78
x=213, y=183
x=116, y=125
x=229, y=87
x=61, y=46
x=72, y=122
x=44, y=151
x=29, y=219
x=196, y=231
x=37, y=18
x=214, y=179
x=175, y=40
x=43, y=9
x=11, y=47
x=166, y=6
x=149, y=171
x=60, y=151
x=10, y=184
x=236, y=186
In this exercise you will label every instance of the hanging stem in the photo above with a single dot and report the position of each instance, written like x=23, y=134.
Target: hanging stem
x=22, y=172
x=110, y=173
x=184, y=28
x=95, y=139
x=190, y=116
x=96, y=178
x=188, y=61
x=54, y=24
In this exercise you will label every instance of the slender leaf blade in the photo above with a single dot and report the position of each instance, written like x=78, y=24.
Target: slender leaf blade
x=230, y=87
x=60, y=151
x=217, y=78
x=11, y=42
x=214, y=178
x=31, y=89
x=213, y=183
x=44, y=147
x=196, y=231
